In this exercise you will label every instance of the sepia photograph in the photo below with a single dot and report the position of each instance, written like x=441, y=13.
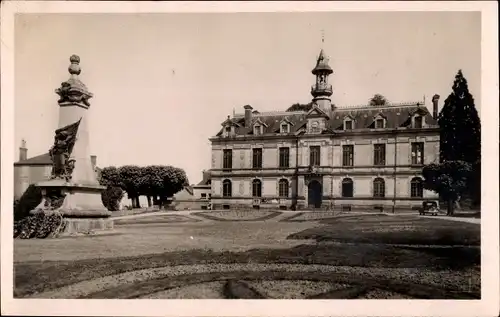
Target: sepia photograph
x=301, y=155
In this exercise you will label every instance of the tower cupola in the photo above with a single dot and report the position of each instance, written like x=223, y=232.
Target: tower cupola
x=322, y=90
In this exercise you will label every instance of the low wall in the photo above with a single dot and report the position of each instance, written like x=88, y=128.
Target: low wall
x=384, y=205
x=189, y=204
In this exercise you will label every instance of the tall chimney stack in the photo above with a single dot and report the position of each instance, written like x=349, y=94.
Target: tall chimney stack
x=435, y=100
x=93, y=160
x=23, y=151
x=248, y=115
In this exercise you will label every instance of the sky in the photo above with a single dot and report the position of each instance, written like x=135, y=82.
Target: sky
x=164, y=83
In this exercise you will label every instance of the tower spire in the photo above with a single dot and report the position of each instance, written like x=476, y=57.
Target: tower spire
x=322, y=90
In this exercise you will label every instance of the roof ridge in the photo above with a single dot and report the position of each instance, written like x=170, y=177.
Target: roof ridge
x=391, y=105
x=269, y=113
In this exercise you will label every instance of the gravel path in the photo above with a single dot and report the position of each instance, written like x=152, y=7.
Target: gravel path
x=439, y=278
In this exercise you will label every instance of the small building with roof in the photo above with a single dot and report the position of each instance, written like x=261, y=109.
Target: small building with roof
x=194, y=197
x=35, y=169
x=325, y=157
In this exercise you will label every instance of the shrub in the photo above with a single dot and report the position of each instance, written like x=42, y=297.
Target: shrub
x=111, y=197
x=38, y=226
x=31, y=198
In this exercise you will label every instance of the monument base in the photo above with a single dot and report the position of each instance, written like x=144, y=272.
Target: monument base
x=86, y=226
x=80, y=205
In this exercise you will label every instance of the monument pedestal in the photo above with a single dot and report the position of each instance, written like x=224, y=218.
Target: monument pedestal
x=73, y=192
x=80, y=206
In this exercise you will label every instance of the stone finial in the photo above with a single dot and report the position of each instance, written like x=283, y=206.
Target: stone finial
x=74, y=68
x=73, y=91
x=23, y=143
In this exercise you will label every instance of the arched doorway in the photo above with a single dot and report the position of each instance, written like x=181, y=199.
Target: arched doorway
x=315, y=192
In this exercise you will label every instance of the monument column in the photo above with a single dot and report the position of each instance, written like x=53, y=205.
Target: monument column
x=73, y=190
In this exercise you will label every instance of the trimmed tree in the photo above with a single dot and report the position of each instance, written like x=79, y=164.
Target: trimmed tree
x=449, y=179
x=111, y=197
x=378, y=100
x=131, y=178
x=113, y=194
x=460, y=132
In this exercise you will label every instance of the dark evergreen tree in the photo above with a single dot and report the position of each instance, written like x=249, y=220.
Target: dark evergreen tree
x=460, y=137
x=460, y=133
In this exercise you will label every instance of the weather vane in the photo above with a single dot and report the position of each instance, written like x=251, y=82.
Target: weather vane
x=322, y=36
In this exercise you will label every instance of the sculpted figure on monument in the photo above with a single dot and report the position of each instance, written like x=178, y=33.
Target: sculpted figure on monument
x=62, y=165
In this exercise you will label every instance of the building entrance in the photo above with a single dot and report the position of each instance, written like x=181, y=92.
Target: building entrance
x=315, y=191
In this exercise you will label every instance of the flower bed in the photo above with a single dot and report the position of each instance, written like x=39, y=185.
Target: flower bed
x=155, y=220
x=39, y=226
x=312, y=216
x=238, y=215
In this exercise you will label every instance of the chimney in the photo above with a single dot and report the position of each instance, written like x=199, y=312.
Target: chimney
x=93, y=160
x=23, y=151
x=435, y=100
x=248, y=115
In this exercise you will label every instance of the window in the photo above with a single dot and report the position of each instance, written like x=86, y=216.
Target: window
x=378, y=187
x=284, y=157
x=283, y=188
x=226, y=188
x=417, y=189
x=227, y=159
x=257, y=158
x=348, y=125
x=284, y=128
x=227, y=130
x=379, y=154
x=418, y=122
x=314, y=156
x=347, y=187
x=417, y=153
x=348, y=155
x=203, y=195
x=379, y=124
x=256, y=188
x=315, y=127
x=257, y=129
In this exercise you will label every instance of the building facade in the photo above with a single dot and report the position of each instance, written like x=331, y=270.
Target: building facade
x=368, y=157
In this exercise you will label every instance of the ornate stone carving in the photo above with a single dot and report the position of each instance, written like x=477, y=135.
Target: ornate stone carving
x=60, y=152
x=73, y=90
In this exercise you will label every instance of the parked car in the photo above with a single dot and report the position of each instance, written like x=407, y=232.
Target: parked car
x=429, y=207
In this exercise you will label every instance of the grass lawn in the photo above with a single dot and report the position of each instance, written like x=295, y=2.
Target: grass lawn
x=386, y=229
x=352, y=258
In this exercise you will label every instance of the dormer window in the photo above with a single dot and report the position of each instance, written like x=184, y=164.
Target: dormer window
x=379, y=123
x=285, y=128
x=227, y=130
x=418, y=122
x=348, y=124
x=257, y=129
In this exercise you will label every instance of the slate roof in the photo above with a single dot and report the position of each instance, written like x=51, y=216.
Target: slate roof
x=43, y=159
x=206, y=178
x=396, y=116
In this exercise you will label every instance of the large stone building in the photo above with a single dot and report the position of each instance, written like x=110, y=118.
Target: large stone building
x=325, y=157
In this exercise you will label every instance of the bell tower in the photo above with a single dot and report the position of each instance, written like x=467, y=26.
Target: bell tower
x=322, y=90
